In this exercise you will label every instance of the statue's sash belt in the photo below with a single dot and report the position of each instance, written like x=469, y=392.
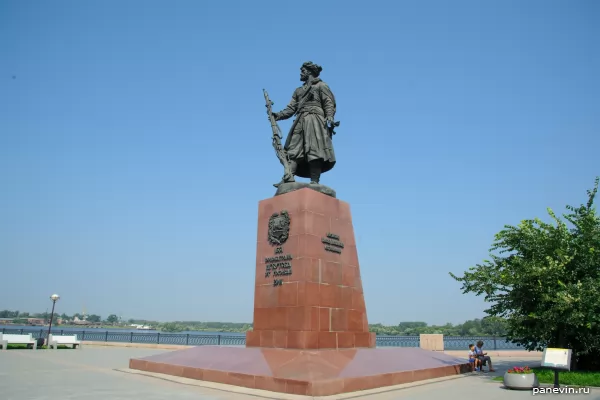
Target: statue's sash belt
x=311, y=108
x=307, y=108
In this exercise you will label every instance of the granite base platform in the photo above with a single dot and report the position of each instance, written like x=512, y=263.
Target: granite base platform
x=304, y=372
x=288, y=187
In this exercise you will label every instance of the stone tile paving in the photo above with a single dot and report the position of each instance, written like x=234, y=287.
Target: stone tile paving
x=91, y=374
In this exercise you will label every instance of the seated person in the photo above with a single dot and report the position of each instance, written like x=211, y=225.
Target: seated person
x=483, y=357
x=473, y=358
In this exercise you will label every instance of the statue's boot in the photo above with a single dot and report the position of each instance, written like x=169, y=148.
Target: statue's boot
x=288, y=178
x=285, y=180
x=315, y=171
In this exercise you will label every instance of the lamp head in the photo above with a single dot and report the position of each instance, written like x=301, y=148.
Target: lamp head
x=54, y=297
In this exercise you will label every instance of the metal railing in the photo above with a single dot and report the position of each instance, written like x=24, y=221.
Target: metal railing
x=185, y=339
x=199, y=339
x=490, y=343
x=398, y=341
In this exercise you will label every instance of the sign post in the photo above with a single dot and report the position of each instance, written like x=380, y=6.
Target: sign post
x=557, y=360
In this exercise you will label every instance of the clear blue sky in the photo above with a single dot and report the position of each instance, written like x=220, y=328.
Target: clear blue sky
x=134, y=145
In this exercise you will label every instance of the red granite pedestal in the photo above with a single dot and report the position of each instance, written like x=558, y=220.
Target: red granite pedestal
x=310, y=334
x=320, y=302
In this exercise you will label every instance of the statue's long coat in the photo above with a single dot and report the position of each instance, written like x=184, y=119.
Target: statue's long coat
x=309, y=138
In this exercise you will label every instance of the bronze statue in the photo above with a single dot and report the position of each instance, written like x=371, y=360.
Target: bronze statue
x=308, y=150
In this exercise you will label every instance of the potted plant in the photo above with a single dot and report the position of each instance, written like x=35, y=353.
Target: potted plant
x=520, y=378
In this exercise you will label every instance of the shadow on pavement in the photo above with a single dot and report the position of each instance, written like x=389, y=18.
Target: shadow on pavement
x=503, y=365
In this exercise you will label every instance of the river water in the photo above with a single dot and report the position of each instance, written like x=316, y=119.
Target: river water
x=116, y=330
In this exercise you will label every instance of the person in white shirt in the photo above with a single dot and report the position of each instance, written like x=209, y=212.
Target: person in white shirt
x=473, y=358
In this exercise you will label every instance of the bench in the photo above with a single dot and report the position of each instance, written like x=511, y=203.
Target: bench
x=59, y=340
x=6, y=339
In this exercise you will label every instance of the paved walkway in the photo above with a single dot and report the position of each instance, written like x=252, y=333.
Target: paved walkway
x=93, y=374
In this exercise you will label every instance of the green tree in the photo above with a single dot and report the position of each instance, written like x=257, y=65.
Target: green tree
x=545, y=280
x=404, y=326
x=495, y=326
x=471, y=327
x=112, y=319
x=171, y=327
x=94, y=318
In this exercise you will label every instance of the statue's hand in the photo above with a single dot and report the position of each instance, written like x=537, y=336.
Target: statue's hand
x=329, y=120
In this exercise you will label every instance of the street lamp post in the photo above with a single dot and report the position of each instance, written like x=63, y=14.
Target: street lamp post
x=54, y=299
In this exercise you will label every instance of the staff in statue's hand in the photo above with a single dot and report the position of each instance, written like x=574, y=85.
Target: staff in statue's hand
x=275, y=116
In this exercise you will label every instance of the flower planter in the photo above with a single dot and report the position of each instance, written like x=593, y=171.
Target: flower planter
x=520, y=381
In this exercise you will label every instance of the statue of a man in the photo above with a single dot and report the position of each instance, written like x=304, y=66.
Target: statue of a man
x=308, y=144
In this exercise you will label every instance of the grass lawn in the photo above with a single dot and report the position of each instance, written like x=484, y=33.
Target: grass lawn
x=24, y=346
x=567, y=378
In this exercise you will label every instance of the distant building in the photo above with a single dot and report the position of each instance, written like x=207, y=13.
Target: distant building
x=77, y=321
x=141, y=327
